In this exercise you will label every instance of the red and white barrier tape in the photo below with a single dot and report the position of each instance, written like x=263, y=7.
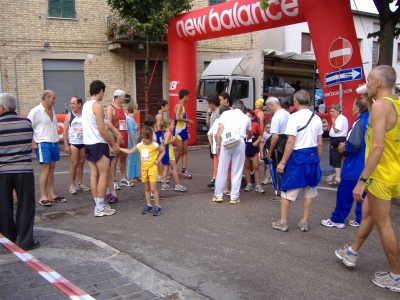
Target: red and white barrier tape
x=66, y=287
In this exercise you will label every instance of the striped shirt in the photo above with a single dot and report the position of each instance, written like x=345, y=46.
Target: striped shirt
x=15, y=144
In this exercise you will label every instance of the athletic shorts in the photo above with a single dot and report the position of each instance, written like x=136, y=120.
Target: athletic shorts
x=150, y=175
x=47, y=152
x=95, y=152
x=78, y=146
x=381, y=190
x=183, y=135
x=250, y=150
x=291, y=195
x=170, y=155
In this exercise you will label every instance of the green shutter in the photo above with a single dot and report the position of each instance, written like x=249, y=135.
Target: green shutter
x=54, y=8
x=212, y=2
x=68, y=9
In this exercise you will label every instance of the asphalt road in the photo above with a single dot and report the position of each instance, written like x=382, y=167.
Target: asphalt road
x=224, y=251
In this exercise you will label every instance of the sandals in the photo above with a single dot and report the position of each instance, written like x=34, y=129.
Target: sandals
x=45, y=203
x=59, y=199
x=334, y=182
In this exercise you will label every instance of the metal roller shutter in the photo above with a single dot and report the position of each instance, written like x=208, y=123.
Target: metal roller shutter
x=66, y=78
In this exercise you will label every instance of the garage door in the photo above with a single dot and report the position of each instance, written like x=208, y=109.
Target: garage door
x=66, y=78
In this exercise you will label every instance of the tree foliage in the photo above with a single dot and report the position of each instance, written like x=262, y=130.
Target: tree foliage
x=388, y=31
x=149, y=17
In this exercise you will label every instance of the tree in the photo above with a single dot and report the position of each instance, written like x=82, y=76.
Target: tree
x=149, y=18
x=388, y=31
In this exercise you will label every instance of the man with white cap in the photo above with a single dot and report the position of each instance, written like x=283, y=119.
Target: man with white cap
x=116, y=115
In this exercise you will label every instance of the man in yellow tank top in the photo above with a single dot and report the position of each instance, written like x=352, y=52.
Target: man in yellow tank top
x=380, y=178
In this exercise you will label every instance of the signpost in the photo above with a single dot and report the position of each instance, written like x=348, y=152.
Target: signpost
x=343, y=76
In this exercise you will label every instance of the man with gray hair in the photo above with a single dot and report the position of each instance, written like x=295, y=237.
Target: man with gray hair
x=45, y=142
x=16, y=173
x=300, y=161
x=278, y=140
x=231, y=122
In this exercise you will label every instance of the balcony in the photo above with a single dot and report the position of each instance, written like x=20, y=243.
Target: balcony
x=120, y=34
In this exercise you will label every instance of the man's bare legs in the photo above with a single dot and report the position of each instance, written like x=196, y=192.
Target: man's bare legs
x=79, y=169
x=306, y=209
x=285, y=204
x=73, y=170
x=98, y=177
x=365, y=228
x=380, y=212
x=182, y=151
x=46, y=181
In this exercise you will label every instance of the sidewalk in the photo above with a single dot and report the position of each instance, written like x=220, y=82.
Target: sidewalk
x=95, y=267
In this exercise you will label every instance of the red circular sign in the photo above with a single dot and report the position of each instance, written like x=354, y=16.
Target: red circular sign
x=340, y=52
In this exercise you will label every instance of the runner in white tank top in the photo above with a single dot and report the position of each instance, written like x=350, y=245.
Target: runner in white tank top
x=91, y=134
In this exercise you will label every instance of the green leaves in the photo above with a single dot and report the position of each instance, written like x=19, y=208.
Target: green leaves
x=264, y=4
x=149, y=17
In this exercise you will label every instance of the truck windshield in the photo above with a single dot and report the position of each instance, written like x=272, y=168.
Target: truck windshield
x=212, y=86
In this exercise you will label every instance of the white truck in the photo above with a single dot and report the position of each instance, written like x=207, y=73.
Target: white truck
x=255, y=74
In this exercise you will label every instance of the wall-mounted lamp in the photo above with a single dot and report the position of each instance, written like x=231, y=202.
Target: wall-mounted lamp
x=141, y=46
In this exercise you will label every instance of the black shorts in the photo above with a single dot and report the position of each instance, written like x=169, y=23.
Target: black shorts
x=79, y=146
x=335, y=157
x=251, y=151
x=95, y=152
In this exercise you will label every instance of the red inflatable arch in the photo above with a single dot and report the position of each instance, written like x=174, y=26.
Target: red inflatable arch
x=331, y=28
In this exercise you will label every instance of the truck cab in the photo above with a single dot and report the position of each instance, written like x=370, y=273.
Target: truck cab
x=219, y=77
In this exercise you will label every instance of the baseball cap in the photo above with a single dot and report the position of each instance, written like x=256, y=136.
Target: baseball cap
x=119, y=93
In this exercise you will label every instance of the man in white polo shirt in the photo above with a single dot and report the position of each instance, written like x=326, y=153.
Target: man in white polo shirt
x=300, y=161
x=45, y=142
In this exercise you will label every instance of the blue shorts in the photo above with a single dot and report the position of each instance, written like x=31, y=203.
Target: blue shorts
x=47, y=152
x=183, y=135
x=251, y=151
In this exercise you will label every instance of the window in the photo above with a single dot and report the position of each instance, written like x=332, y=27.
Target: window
x=212, y=2
x=375, y=54
x=305, y=42
x=61, y=9
x=239, y=89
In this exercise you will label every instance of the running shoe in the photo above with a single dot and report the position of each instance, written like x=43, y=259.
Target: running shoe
x=82, y=187
x=259, y=189
x=160, y=179
x=384, y=280
x=116, y=185
x=237, y=201
x=157, y=211
x=186, y=175
x=105, y=212
x=331, y=224
x=179, y=188
x=303, y=226
x=280, y=226
x=125, y=182
x=113, y=199
x=72, y=189
x=212, y=183
x=346, y=256
x=354, y=223
x=166, y=187
x=248, y=187
x=218, y=200
x=147, y=209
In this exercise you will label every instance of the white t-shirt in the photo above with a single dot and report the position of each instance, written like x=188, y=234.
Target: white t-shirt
x=308, y=137
x=279, y=121
x=342, y=125
x=233, y=119
x=44, y=128
x=213, y=131
x=265, y=137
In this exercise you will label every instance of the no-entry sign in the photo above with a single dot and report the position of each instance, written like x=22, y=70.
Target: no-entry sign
x=340, y=52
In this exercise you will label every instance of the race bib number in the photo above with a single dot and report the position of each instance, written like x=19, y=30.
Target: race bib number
x=123, y=125
x=145, y=154
x=78, y=133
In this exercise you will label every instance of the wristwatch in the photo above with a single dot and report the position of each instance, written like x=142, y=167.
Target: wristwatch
x=362, y=179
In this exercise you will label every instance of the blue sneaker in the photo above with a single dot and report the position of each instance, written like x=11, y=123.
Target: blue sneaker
x=113, y=199
x=157, y=211
x=147, y=209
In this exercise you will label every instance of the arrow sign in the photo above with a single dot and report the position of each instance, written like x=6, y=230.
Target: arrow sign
x=343, y=76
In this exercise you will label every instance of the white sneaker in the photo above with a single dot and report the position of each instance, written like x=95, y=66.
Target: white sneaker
x=82, y=187
x=116, y=185
x=125, y=182
x=105, y=212
x=259, y=189
x=354, y=223
x=329, y=223
x=72, y=189
x=160, y=179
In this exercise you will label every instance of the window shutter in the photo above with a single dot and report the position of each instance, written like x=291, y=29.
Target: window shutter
x=68, y=8
x=54, y=8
